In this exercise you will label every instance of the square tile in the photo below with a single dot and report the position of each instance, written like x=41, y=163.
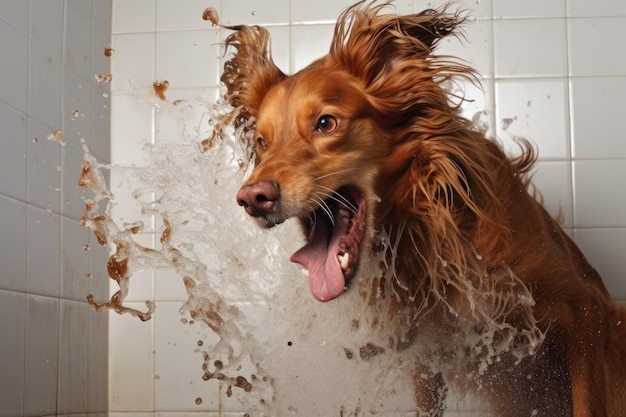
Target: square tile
x=76, y=108
x=188, y=58
x=530, y=48
x=598, y=109
x=554, y=182
x=308, y=43
x=15, y=12
x=72, y=195
x=584, y=8
x=73, y=357
x=597, y=201
x=536, y=110
x=74, y=260
x=132, y=127
x=77, y=40
x=13, y=322
x=177, y=15
x=44, y=87
x=131, y=16
x=14, y=79
x=98, y=398
x=590, y=57
x=281, y=47
x=255, y=12
x=43, y=186
x=323, y=11
x=13, y=244
x=101, y=39
x=133, y=62
x=528, y=9
x=42, y=269
x=13, y=150
x=42, y=350
x=99, y=138
x=46, y=25
x=604, y=249
x=131, y=347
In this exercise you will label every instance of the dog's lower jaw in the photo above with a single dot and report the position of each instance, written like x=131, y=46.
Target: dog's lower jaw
x=268, y=222
x=335, y=232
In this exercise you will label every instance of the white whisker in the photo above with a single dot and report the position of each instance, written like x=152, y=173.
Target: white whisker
x=340, y=199
x=325, y=208
x=332, y=173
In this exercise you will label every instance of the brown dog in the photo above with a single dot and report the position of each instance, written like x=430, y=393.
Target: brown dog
x=367, y=139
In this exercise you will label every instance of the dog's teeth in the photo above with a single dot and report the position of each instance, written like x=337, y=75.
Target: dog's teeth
x=305, y=272
x=343, y=260
x=344, y=215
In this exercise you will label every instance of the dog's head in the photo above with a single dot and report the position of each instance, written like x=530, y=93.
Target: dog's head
x=325, y=137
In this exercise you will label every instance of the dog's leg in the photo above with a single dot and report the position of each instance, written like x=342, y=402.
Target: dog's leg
x=430, y=394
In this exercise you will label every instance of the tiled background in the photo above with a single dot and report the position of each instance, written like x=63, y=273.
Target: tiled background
x=557, y=68
x=54, y=349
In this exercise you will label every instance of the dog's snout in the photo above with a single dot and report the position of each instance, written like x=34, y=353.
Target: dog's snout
x=259, y=198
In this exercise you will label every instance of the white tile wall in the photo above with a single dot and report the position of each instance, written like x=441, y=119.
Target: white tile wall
x=528, y=9
x=583, y=8
x=537, y=109
x=13, y=322
x=14, y=81
x=554, y=72
x=597, y=129
x=41, y=355
x=54, y=349
x=188, y=58
x=589, y=57
x=520, y=52
x=131, y=364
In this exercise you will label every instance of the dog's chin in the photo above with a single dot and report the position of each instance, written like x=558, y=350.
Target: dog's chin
x=335, y=233
x=269, y=221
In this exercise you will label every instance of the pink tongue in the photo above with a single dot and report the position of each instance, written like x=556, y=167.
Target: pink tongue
x=320, y=257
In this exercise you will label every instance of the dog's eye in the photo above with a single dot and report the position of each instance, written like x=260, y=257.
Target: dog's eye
x=261, y=143
x=326, y=124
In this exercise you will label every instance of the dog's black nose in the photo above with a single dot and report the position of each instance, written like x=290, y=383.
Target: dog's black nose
x=259, y=198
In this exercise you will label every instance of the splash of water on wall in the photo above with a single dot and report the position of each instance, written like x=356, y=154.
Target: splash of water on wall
x=279, y=351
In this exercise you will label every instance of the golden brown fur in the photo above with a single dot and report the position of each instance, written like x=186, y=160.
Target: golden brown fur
x=373, y=115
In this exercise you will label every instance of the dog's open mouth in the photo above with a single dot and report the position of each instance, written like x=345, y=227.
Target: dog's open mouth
x=335, y=230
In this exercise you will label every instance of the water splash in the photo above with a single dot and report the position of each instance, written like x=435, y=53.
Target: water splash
x=278, y=351
x=57, y=136
x=211, y=15
x=507, y=122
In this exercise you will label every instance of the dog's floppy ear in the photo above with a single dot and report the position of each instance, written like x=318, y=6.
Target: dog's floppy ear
x=250, y=72
x=370, y=44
